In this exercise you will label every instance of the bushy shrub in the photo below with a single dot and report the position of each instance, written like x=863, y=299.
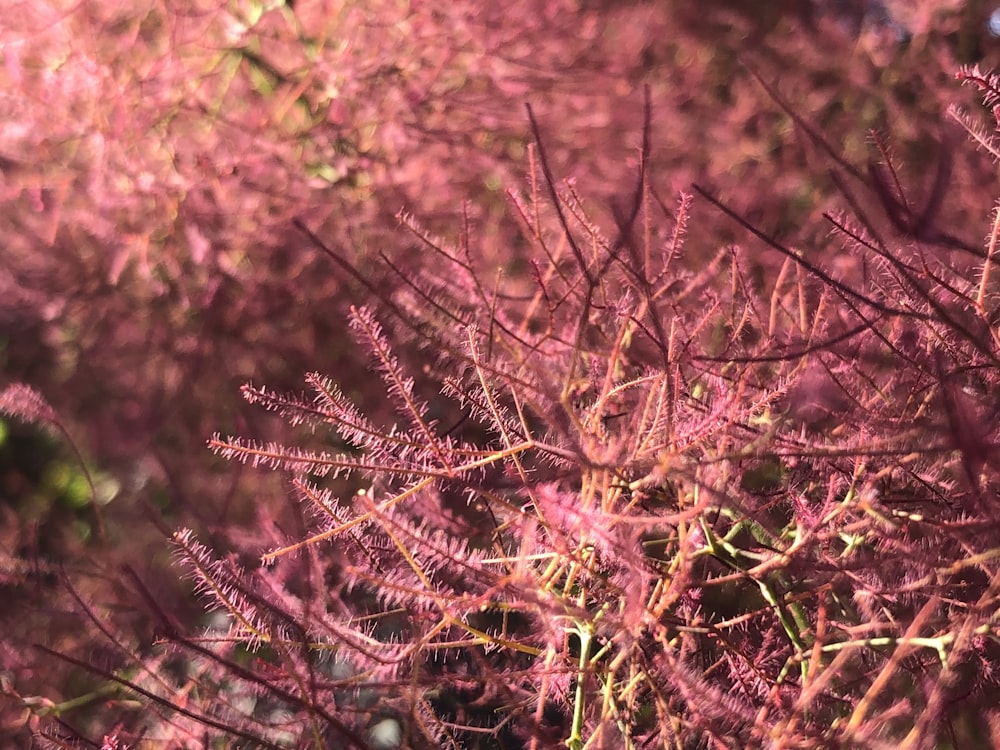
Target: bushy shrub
x=655, y=505
x=673, y=489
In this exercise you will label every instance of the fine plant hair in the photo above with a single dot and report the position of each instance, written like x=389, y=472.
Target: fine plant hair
x=632, y=498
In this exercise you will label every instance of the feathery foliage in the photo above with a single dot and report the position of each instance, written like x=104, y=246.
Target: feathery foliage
x=647, y=508
x=639, y=488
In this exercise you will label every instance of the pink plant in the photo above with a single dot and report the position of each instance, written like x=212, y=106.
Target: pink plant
x=668, y=477
x=620, y=527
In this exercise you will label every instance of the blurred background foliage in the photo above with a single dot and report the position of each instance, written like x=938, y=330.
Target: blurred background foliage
x=156, y=156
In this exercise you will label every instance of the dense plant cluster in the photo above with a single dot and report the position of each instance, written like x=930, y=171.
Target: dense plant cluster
x=689, y=470
x=671, y=511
